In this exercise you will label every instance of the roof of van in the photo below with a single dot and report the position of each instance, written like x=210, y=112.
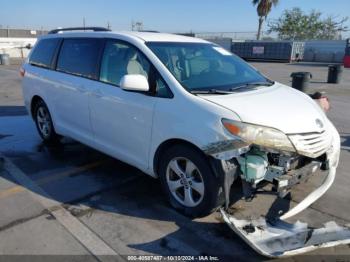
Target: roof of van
x=145, y=36
x=163, y=37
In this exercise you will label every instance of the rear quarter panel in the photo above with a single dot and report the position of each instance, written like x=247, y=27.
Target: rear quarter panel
x=36, y=82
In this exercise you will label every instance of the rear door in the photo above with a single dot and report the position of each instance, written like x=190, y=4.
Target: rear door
x=77, y=72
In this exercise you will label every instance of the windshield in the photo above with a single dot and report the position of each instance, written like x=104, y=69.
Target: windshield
x=204, y=67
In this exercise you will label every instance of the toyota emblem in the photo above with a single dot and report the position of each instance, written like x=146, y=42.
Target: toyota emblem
x=319, y=123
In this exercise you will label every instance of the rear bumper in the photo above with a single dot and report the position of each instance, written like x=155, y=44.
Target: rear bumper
x=278, y=238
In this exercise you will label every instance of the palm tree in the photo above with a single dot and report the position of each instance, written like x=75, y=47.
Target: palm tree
x=263, y=9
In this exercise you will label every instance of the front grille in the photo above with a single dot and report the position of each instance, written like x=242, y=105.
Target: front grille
x=312, y=144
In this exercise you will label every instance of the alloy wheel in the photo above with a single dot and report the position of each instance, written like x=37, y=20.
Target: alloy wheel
x=185, y=181
x=44, y=121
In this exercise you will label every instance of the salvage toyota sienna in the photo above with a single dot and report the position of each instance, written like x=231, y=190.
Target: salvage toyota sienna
x=192, y=114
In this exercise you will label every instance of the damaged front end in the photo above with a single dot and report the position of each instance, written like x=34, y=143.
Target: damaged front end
x=271, y=174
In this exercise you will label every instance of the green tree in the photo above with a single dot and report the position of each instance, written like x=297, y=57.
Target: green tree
x=263, y=9
x=294, y=24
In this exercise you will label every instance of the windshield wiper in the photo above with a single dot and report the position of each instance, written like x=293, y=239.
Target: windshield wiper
x=211, y=91
x=253, y=84
x=231, y=90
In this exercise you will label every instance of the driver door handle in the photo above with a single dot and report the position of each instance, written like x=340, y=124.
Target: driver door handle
x=97, y=93
x=81, y=89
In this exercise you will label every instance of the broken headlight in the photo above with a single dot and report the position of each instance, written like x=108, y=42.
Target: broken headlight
x=259, y=135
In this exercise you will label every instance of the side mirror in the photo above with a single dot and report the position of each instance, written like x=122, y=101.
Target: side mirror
x=134, y=83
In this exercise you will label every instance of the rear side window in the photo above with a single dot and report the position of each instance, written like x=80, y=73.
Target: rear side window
x=44, y=52
x=80, y=57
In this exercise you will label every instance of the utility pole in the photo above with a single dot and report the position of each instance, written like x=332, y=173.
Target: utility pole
x=84, y=23
x=108, y=25
x=136, y=26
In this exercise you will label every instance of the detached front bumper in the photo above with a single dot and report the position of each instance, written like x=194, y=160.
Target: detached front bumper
x=278, y=238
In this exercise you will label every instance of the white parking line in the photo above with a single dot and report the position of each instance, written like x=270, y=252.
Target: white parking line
x=83, y=234
x=49, y=177
x=345, y=147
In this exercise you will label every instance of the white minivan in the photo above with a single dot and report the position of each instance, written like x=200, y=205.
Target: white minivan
x=181, y=109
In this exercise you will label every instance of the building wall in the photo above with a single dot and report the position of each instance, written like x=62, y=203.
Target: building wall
x=25, y=33
x=15, y=47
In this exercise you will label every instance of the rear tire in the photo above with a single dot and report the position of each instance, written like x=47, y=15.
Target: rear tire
x=189, y=182
x=44, y=124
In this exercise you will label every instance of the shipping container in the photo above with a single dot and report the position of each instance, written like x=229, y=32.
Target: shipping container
x=326, y=51
x=224, y=42
x=284, y=51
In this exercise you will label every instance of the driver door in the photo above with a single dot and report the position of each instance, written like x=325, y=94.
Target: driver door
x=122, y=120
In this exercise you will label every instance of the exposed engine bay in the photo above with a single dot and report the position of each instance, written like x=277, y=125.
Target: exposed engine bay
x=258, y=167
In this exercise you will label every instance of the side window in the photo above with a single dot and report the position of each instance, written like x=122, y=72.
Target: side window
x=43, y=52
x=80, y=56
x=121, y=59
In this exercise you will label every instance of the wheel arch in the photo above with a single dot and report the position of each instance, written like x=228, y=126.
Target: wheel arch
x=167, y=144
x=35, y=99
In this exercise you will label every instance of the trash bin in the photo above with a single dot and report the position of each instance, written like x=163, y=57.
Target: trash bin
x=300, y=80
x=346, y=61
x=334, y=74
x=4, y=59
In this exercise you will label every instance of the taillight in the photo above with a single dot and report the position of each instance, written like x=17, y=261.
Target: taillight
x=22, y=72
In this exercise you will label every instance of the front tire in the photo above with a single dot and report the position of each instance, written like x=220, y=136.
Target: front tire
x=189, y=182
x=44, y=124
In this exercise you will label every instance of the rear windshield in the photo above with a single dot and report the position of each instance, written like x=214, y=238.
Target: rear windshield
x=43, y=52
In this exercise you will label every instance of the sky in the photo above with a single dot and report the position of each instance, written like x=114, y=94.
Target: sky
x=160, y=15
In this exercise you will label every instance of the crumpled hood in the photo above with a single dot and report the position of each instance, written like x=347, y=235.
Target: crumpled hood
x=277, y=106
